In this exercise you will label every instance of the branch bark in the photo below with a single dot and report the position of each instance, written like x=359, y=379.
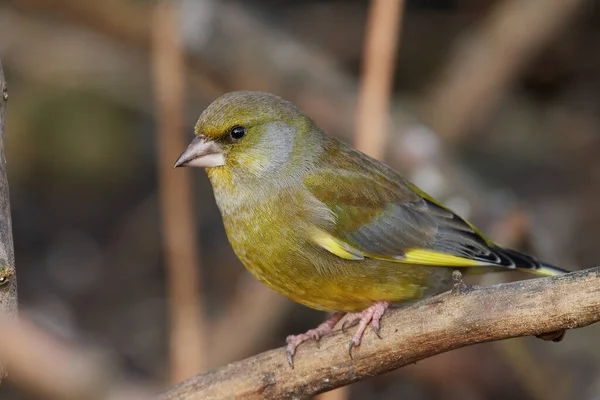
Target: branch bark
x=432, y=326
x=8, y=277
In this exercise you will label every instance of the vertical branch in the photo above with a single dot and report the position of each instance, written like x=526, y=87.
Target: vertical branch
x=378, y=65
x=179, y=233
x=8, y=277
x=378, y=62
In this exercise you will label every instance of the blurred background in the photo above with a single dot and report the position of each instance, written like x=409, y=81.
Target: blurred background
x=491, y=106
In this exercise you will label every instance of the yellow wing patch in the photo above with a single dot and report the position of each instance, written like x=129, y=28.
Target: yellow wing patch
x=336, y=246
x=430, y=257
x=415, y=256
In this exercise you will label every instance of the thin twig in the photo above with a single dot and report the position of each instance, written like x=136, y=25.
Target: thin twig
x=429, y=327
x=8, y=275
x=378, y=67
x=187, y=332
x=488, y=60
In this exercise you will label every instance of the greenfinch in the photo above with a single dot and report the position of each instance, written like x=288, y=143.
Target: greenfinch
x=326, y=225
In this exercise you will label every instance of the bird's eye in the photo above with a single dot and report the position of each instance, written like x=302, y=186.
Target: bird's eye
x=237, y=132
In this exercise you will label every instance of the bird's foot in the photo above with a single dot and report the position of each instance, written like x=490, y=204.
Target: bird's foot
x=293, y=341
x=371, y=315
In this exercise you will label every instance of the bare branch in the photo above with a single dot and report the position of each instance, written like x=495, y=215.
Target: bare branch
x=8, y=277
x=429, y=327
x=186, y=311
x=378, y=65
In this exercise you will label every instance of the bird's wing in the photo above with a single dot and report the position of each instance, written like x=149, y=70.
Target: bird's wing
x=375, y=216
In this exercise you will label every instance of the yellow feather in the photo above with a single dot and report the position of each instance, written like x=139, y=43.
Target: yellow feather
x=415, y=256
x=430, y=257
x=336, y=246
x=545, y=271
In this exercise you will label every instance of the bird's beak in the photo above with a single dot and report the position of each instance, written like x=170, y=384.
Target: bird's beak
x=201, y=153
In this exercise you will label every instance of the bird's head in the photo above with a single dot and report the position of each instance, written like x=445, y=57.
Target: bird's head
x=249, y=132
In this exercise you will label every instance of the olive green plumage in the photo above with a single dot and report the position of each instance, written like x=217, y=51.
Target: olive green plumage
x=324, y=224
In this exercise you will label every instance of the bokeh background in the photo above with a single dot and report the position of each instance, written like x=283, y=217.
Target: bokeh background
x=494, y=108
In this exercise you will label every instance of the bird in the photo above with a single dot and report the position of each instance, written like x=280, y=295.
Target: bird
x=327, y=226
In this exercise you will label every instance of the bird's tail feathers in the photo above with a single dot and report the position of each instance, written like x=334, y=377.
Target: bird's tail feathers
x=529, y=264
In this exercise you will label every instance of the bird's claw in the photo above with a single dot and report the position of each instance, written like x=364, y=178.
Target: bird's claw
x=293, y=341
x=377, y=330
x=371, y=315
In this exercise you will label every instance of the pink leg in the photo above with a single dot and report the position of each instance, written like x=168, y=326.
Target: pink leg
x=370, y=315
x=293, y=341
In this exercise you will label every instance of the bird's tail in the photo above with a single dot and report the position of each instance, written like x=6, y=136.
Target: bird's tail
x=529, y=264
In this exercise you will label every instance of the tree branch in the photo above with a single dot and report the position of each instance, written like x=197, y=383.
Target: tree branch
x=376, y=83
x=432, y=326
x=8, y=277
x=180, y=241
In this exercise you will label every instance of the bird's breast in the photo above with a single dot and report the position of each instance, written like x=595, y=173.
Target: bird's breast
x=270, y=232
x=271, y=239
